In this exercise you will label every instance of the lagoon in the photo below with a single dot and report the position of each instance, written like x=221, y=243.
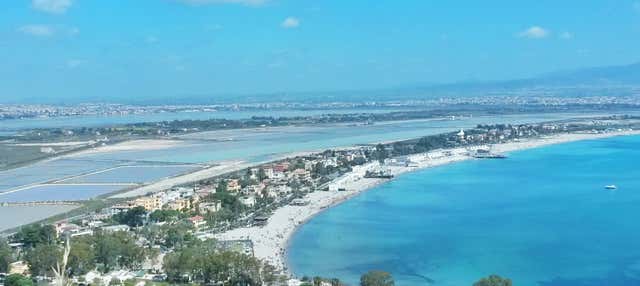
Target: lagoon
x=56, y=192
x=541, y=217
x=11, y=126
x=20, y=215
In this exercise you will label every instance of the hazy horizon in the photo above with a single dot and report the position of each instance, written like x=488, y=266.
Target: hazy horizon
x=69, y=51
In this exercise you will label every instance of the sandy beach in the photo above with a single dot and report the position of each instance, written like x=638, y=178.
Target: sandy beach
x=270, y=241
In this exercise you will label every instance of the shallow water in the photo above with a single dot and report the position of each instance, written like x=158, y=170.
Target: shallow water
x=257, y=145
x=541, y=217
x=59, y=193
x=28, y=214
x=134, y=174
x=10, y=126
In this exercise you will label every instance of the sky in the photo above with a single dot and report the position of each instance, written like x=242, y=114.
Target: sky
x=88, y=50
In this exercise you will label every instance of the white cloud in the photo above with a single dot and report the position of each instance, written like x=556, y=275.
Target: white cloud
x=566, y=36
x=207, y=2
x=290, y=22
x=534, y=32
x=52, y=6
x=37, y=30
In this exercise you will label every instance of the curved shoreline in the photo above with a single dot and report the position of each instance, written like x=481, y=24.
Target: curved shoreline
x=271, y=241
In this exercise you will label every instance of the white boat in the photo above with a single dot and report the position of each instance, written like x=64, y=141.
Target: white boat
x=610, y=187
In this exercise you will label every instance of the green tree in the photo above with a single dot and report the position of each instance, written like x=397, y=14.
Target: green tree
x=17, y=280
x=493, y=280
x=164, y=215
x=377, y=278
x=131, y=255
x=298, y=164
x=133, y=217
x=117, y=250
x=222, y=187
x=43, y=258
x=228, y=201
x=262, y=175
x=82, y=256
x=6, y=256
x=181, y=264
x=223, y=215
x=204, y=262
x=106, y=250
x=32, y=235
x=177, y=235
x=381, y=153
x=153, y=234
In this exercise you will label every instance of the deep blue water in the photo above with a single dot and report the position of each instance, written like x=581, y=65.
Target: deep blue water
x=540, y=217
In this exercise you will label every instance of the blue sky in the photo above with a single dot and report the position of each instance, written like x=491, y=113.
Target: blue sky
x=94, y=49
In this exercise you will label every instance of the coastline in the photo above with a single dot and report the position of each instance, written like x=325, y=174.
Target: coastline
x=271, y=241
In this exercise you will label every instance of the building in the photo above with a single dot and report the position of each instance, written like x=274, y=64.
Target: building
x=254, y=189
x=281, y=167
x=19, y=267
x=150, y=203
x=249, y=201
x=402, y=161
x=179, y=204
x=210, y=206
x=119, y=208
x=261, y=220
x=197, y=221
x=116, y=228
x=461, y=134
x=299, y=202
x=67, y=229
x=302, y=174
x=233, y=185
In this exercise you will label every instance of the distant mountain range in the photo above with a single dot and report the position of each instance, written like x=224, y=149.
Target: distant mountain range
x=596, y=77
x=623, y=80
x=620, y=80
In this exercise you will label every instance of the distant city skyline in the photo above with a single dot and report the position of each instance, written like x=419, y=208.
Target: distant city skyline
x=59, y=50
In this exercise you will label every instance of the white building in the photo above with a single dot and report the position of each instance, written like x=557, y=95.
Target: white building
x=249, y=201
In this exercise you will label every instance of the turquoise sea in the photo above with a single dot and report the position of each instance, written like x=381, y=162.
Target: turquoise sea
x=541, y=217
